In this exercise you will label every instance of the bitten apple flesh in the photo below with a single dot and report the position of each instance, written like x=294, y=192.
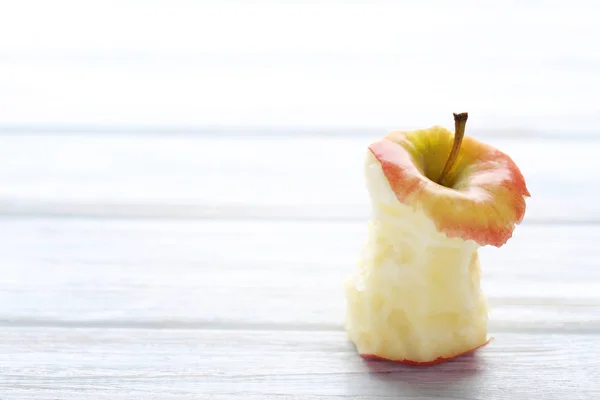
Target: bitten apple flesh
x=415, y=296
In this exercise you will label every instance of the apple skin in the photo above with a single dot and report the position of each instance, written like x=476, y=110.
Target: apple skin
x=487, y=192
x=437, y=361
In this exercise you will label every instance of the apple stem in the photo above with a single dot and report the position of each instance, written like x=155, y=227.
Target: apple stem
x=460, y=122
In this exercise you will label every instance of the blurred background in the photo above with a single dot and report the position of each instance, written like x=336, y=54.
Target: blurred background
x=252, y=108
x=182, y=65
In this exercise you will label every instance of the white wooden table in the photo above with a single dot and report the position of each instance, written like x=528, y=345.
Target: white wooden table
x=193, y=267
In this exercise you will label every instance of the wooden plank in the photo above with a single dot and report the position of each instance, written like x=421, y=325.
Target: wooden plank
x=261, y=274
x=225, y=364
x=207, y=177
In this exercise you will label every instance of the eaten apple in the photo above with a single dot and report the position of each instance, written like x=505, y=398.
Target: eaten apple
x=436, y=198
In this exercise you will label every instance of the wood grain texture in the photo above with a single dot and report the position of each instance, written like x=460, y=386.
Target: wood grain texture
x=141, y=363
x=261, y=273
x=161, y=269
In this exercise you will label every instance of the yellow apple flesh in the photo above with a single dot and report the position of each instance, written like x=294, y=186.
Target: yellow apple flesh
x=415, y=295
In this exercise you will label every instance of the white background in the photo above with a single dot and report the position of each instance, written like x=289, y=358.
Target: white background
x=516, y=66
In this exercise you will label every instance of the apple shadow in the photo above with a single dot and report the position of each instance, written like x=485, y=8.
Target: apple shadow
x=453, y=377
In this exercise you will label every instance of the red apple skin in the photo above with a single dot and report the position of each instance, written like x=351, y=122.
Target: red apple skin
x=437, y=361
x=487, y=197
